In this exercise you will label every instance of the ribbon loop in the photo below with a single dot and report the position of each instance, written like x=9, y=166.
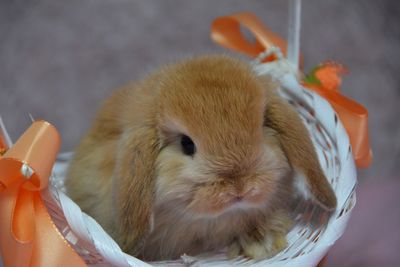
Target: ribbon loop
x=226, y=32
x=40, y=139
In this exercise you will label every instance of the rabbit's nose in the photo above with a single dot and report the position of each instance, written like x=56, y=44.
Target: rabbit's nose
x=237, y=196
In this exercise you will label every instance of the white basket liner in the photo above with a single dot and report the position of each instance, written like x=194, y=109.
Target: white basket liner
x=307, y=244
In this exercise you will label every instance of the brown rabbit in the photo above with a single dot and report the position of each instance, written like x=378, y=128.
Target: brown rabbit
x=197, y=157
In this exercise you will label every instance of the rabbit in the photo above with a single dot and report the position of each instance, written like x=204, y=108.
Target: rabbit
x=201, y=156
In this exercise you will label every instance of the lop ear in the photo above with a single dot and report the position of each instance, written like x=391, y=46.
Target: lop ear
x=300, y=152
x=134, y=188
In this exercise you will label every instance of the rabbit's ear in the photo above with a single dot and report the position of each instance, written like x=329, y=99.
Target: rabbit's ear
x=299, y=150
x=135, y=183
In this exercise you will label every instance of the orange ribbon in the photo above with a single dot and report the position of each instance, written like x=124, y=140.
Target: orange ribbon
x=28, y=236
x=226, y=32
x=325, y=80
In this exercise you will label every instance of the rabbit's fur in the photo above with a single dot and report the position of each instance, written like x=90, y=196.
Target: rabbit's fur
x=131, y=175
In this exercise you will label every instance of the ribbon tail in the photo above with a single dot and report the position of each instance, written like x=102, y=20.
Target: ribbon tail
x=356, y=124
x=355, y=120
x=50, y=247
x=16, y=245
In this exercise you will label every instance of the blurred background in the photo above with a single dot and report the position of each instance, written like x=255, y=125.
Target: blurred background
x=60, y=59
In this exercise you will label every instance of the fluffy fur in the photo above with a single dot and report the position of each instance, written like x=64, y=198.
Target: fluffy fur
x=130, y=174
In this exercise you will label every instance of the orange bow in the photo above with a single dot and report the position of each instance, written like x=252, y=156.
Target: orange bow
x=28, y=237
x=226, y=32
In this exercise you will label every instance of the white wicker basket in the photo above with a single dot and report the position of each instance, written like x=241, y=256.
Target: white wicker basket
x=315, y=230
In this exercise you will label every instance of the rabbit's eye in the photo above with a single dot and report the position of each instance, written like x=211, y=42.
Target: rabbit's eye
x=188, y=146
